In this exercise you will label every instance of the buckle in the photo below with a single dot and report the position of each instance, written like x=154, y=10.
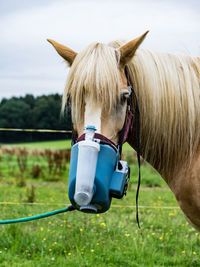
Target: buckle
x=130, y=90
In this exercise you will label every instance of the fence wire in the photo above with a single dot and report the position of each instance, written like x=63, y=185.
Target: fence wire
x=66, y=204
x=35, y=130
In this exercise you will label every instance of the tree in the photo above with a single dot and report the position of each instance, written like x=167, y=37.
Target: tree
x=42, y=112
x=14, y=114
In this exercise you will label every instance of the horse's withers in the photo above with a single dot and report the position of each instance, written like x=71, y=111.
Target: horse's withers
x=96, y=175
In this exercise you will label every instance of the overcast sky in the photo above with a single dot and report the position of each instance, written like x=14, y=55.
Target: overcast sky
x=30, y=65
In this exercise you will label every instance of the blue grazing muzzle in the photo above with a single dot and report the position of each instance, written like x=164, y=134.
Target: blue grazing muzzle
x=110, y=180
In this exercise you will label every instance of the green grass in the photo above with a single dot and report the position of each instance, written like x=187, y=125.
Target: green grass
x=109, y=239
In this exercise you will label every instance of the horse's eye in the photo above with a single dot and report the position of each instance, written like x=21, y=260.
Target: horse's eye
x=123, y=98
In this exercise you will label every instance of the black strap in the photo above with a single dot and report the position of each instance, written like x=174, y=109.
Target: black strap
x=137, y=135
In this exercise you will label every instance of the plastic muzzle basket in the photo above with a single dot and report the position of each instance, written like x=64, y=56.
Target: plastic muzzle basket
x=108, y=181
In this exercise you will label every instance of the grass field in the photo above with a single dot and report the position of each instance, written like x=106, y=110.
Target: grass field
x=109, y=239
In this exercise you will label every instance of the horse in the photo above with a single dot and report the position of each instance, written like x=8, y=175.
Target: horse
x=168, y=91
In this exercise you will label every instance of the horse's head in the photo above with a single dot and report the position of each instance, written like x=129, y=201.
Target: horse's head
x=98, y=91
x=97, y=86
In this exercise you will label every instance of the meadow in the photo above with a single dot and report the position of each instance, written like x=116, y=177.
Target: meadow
x=77, y=239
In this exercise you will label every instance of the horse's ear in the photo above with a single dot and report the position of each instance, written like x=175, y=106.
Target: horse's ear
x=128, y=50
x=64, y=51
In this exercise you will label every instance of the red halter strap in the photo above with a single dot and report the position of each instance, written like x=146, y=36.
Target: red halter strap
x=101, y=138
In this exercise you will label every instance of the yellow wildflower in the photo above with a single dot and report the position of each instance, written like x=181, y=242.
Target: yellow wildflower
x=103, y=224
x=127, y=235
x=194, y=253
x=50, y=250
x=92, y=250
x=69, y=253
x=41, y=229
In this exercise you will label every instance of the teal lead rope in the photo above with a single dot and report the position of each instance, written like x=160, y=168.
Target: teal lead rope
x=39, y=216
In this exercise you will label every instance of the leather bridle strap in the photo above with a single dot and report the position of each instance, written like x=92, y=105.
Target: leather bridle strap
x=123, y=134
x=137, y=135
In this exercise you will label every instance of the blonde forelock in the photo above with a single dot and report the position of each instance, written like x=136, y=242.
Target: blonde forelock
x=94, y=74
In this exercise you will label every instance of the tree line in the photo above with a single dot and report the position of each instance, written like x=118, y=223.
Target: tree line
x=29, y=112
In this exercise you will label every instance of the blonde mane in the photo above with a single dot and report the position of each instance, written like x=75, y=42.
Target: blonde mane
x=168, y=89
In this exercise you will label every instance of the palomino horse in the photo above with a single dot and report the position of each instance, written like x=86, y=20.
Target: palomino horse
x=168, y=91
